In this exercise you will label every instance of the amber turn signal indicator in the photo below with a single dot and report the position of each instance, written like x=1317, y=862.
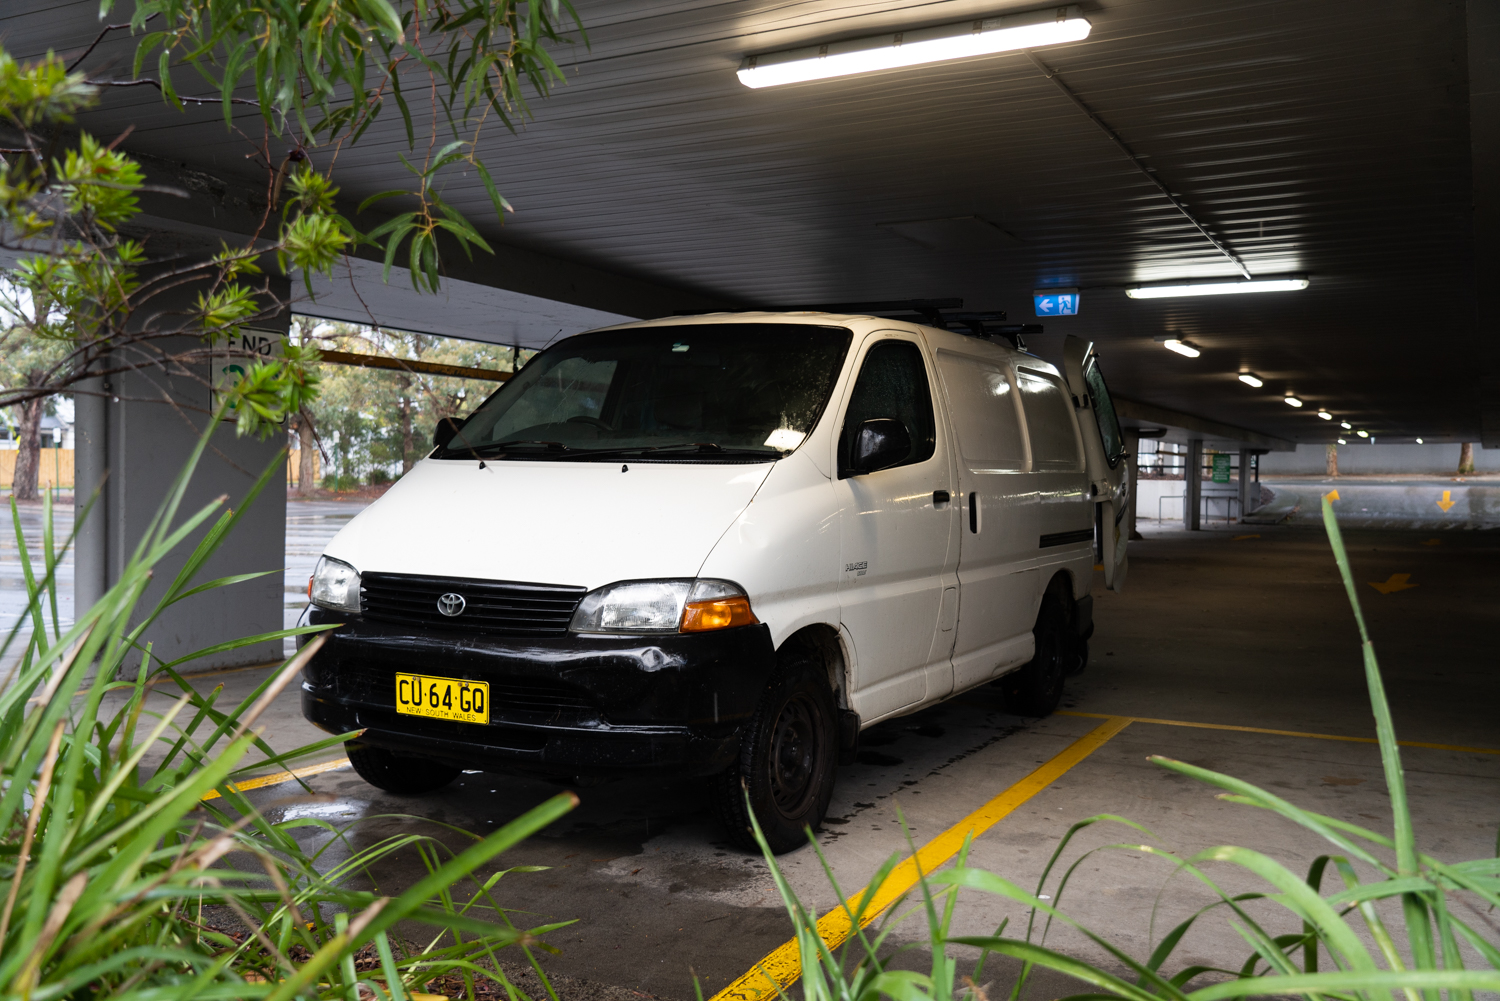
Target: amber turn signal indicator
x=719, y=613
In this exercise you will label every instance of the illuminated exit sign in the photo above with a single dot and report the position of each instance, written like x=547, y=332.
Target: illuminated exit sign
x=1055, y=301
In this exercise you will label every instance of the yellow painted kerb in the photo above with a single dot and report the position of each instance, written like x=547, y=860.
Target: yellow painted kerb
x=260, y=782
x=782, y=967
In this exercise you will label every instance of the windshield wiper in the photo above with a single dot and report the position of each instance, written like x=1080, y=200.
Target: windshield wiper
x=698, y=447
x=550, y=446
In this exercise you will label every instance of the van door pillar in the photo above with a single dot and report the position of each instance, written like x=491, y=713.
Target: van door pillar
x=1132, y=474
x=1192, y=494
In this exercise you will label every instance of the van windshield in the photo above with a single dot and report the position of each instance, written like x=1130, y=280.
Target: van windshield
x=731, y=392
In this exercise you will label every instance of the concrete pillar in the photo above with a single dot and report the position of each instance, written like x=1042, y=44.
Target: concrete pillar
x=1245, y=507
x=150, y=423
x=1132, y=471
x=90, y=462
x=1192, y=493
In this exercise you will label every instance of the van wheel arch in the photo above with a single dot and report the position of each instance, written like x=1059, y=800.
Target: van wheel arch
x=826, y=644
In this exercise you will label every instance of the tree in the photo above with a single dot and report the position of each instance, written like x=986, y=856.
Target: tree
x=1466, y=458
x=376, y=422
x=24, y=361
x=318, y=84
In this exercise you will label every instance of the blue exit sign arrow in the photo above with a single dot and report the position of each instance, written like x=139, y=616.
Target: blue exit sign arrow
x=1055, y=301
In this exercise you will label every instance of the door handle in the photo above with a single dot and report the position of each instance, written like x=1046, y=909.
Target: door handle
x=941, y=497
x=974, y=513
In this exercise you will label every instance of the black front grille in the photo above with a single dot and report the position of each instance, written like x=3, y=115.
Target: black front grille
x=376, y=685
x=490, y=606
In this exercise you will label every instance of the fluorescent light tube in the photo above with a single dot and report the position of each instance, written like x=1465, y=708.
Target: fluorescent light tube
x=1325, y=415
x=979, y=37
x=1183, y=348
x=1346, y=425
x=1363, y=434
x=1251, y=379
x=1343, y=442
x=1292, y=401
x=1419, y=441
x=1282, y=284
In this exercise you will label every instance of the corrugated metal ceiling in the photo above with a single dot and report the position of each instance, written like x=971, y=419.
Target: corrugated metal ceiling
x=1317, y=136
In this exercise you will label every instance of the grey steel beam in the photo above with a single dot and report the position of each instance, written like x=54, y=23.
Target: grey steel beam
x=1150, y=413
x=211, y=208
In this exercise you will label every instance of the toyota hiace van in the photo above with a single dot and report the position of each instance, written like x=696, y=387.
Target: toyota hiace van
x=721, y=546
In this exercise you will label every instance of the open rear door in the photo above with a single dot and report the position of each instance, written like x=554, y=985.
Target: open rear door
x=1104, y=450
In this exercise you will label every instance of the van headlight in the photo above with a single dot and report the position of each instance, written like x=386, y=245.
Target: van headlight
x=335, y=585
x=663, y=606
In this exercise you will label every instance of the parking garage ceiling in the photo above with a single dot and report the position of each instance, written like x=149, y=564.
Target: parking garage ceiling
x=1318, y=137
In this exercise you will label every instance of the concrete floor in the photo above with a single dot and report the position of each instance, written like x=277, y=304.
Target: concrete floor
x=1245, y=628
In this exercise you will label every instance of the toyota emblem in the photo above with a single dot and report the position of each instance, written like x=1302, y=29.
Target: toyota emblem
x=451, y=604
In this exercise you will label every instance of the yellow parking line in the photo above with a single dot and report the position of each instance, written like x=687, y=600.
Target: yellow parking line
x=1281, y=733
x=782, y=967
x=276, y=778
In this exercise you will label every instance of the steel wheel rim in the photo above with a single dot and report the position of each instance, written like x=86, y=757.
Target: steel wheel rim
x=792, y=758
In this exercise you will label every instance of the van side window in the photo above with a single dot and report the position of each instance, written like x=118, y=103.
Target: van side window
x=892, y=383
x=1104, y=413
x=984, y=413
x=1050, y=423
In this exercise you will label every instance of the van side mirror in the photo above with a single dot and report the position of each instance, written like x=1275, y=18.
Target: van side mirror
x=878, y=444
x=446, y=428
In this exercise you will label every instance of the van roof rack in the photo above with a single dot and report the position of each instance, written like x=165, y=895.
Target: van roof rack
x=945, y=314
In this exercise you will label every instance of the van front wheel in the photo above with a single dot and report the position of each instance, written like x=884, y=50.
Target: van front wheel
x=1036, y=689
x=786, y=763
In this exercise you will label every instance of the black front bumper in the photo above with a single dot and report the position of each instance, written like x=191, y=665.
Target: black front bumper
x=561, y=706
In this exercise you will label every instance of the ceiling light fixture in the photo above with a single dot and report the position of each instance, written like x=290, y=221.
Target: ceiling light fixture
x=1419, y=441
x=1346, y=425
x=1284, y=283
x=1325, y=415
x=1292, y=401
x=1363, y=434
x=1185, y=348
x=980, y=37
x=1251, y=379
x=1343, y=442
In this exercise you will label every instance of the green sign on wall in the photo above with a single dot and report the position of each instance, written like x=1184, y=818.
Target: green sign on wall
x=1221, y=467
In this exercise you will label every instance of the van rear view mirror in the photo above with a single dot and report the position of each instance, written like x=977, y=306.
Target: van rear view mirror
x=880, y=443
x=446, y=428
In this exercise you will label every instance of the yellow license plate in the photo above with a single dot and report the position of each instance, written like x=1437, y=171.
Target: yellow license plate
x=443, y=698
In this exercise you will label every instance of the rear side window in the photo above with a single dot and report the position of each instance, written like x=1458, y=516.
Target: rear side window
x=984, y=413
x=892, y=383
x=1104, y=413
x=1050, y=424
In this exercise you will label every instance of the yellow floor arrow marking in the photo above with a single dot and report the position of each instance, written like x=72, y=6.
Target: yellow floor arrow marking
x=1332, y=495
x=782, y=967
x=1238, y=538
x=1398, y=582
x=1447, y=501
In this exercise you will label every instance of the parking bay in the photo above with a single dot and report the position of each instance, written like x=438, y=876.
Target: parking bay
x=1247, y=630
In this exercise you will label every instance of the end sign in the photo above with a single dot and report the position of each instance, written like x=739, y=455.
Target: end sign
x=1055, y=301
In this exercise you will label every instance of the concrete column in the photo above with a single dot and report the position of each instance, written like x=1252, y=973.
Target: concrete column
x=150, y=424
x=90, y=462
x=1245, y=507
x=1192, y=494
x=1132, y=467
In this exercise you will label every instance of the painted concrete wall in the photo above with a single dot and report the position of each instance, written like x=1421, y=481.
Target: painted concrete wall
x=152, y=429
x=1378, y=458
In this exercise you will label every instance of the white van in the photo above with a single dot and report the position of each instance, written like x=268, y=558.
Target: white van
x=721, y=546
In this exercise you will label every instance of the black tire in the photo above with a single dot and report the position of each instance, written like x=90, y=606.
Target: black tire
x=1036, y=689
x=787, y=761
x=398, y=773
